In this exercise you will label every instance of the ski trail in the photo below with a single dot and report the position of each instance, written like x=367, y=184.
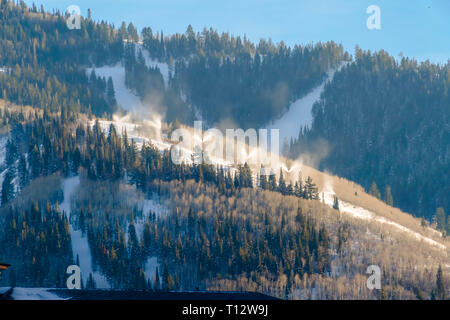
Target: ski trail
x=299, y=112
x=80, y=244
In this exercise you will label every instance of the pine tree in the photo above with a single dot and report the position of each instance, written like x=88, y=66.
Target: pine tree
x=110, y=92
x=374, y=191
x=388, y=196
x=311, y=191
x=448, y=226
x=423, y=222
x=440, y=292
x=281, y=183
x=156, y=282
x=91, y=282
x=7, y=188
x=23, y=172
x=440, y=219
x=336, y=203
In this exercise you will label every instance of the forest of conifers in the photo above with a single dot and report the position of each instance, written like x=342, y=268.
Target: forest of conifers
x=386, y=123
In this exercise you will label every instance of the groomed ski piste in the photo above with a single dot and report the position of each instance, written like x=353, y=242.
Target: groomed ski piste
x=299, y=113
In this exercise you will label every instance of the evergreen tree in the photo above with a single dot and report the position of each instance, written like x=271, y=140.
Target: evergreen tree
x=7, y=188
x=388, y=196
x=91, y=282
x=448, y=226
x=23, y=172
x=440, y=292
x=440, y=219
x=110, y=92
x=336, y=203
x=374, y=190
x=281, y=183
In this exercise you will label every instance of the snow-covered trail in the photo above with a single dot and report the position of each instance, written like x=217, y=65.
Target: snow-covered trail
x=299, y=112
x=125, y=98
x=80, y=244
x=361, y=213
x=148, y=206
x=151, y=63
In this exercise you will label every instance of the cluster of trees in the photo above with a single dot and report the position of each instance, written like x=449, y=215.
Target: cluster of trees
x=148, y=83
x=220, y=75
x=217, y=228
x=387, y=121
x=229, y=77
x=387, y=198
x=223, y=76
x=36, y=241
x=195, y=244
x=44, y=145
x=44, y=62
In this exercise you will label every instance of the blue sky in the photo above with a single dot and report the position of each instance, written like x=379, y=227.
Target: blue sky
x=418, y=28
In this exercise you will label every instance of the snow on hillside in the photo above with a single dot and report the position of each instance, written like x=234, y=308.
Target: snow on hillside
x=299, y=113
x=33, y=294
x=151, y=63
x=361, y=213
x=148, y=206
x=80, y=244
x=124, y=97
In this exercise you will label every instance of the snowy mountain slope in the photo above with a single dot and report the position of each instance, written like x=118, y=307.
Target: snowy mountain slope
x=361, y=213
x=327, y=193
x=125, y=98
x=298, y=113
x=151, y=63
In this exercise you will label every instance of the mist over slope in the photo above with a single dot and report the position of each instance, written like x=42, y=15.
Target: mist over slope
x=88, y=176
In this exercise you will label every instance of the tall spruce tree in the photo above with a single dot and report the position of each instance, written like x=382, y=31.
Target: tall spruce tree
x=374, y=190
x=7, y=188
x=440, y=219
x=388, y=196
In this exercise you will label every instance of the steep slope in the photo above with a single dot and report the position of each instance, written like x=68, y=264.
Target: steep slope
x=388, y=122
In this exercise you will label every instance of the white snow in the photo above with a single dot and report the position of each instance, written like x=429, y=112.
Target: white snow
x=150, y=268
x=147, y=206
x=3, y=142
x=151, y=63
x=124, y=97
x=34, y=294
x=154, y=206
x=299, y=112
x=80, y=244
x=361, y=213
